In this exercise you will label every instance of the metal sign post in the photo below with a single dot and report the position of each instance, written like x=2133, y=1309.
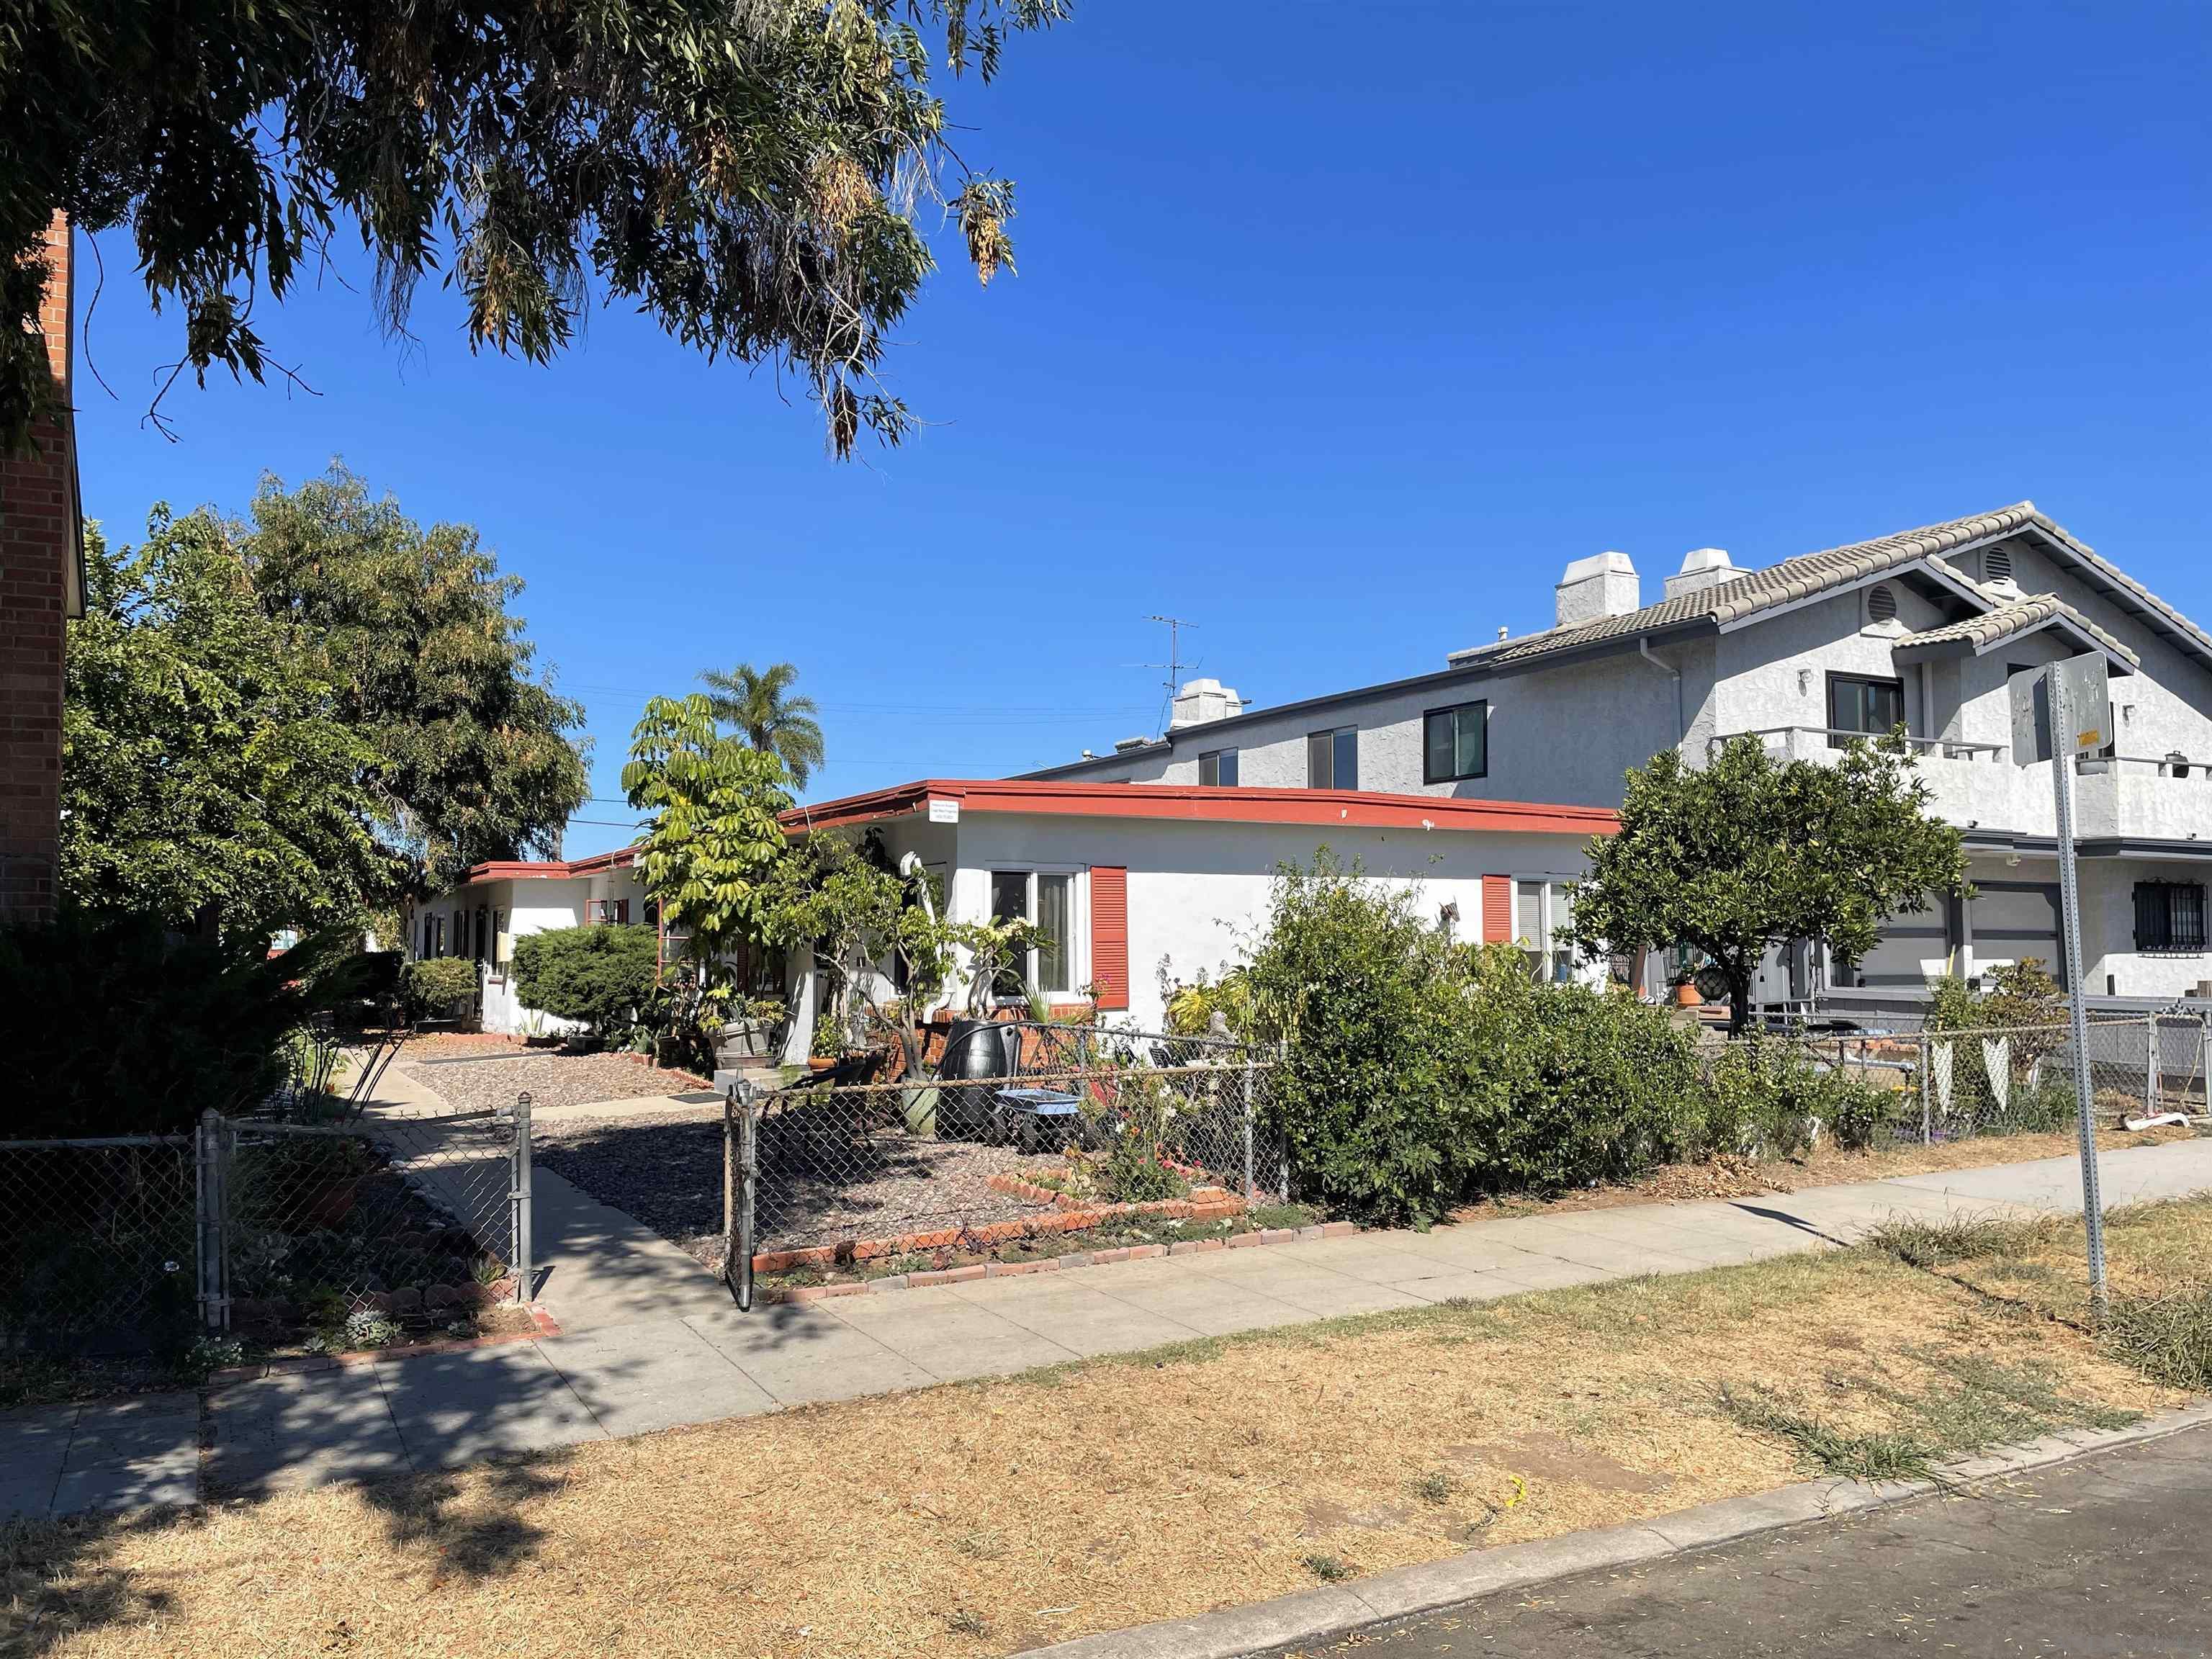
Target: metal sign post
x=2076, y=729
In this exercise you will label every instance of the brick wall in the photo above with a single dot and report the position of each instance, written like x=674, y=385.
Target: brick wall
x=38, y=573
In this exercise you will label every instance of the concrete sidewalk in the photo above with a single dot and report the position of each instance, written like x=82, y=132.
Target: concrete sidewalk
x=671, y=1349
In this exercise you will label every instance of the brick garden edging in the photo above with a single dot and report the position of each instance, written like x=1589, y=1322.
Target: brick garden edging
x=541, y=1324
x=975, y=1270
x=1072, y=1216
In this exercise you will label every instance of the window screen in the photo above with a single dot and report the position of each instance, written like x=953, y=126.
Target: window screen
x=1217, y=769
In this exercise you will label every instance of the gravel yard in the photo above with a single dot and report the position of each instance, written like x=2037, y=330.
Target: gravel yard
x=553, y=1080
x=666, y=1171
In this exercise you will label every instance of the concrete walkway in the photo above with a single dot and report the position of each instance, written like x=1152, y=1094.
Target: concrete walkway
x=654, y=1342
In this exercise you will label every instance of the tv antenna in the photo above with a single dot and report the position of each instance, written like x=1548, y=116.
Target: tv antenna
x=1174, y=664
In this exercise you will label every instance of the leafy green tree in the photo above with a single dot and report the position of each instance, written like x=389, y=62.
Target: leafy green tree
x=752, y=175
x=411, y=627
x=1748, y=851
x=711, y=850
x=118, y=1025
x=758, y=703
x=602, y=976
x=210, y=777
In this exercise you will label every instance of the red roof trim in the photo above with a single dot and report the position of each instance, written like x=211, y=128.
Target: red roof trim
x=550, y=869
x=1203, y=804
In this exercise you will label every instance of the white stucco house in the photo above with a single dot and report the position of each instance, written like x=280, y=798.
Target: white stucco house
x=503, y=901
x=1920, y=629
x=1144, y=889
x=1141, y=889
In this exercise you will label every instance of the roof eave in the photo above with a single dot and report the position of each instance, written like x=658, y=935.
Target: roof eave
x=2131, y=595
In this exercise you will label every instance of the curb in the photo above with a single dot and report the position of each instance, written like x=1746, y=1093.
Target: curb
x=1102, y=1258
x=1335, y=1610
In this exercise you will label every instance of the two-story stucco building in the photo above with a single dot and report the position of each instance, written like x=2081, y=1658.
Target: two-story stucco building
x=1920, y=629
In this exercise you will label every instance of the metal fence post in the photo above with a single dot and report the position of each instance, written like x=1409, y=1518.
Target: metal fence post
x=2204, y=1058
x=212, y=1146
x=2153, y=1085
x=730, y=1187
x=1251, y=1182
x=1927, y=1064
x=748, y=1183
x=518, y=1211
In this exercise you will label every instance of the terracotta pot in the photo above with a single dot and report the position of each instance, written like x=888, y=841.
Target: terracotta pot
x=1686, y=995
x=818, y=1063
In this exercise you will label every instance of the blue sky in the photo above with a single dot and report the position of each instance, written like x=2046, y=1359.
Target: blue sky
x=1339, y=329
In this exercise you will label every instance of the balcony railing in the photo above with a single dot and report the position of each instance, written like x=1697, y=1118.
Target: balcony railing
x=1824, y=738
x=2179, y=767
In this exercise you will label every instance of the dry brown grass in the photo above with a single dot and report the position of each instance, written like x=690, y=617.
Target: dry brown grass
x=1828, y=1166
x=977, y=1519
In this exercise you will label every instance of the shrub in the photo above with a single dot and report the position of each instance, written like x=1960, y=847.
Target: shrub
x=1769, y=1099
x=1135, y=1131
x=1190, y=1008
x=2026, y=1003
x=1417, y=1072
x=1579, y=1084
x=1373, y=1094
x=112, y=1026
x=436, y=983
x=599, y=976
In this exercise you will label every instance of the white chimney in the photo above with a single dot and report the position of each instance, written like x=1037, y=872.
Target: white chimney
x=1603, y=585
x=1701, y=568
x=1203, y=701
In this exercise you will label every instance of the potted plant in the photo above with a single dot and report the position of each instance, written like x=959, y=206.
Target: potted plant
x=751, y=1032
x=1686, y=994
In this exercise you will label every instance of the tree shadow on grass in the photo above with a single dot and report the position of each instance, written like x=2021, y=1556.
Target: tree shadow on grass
x=472, y=1520
x=60, y=1579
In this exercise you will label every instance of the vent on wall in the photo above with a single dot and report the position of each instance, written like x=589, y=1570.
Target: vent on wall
x=1881, y=603
x=1996, y=565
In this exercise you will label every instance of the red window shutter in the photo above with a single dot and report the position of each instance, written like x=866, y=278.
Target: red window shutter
x=1497, y=909
x=1109, y=933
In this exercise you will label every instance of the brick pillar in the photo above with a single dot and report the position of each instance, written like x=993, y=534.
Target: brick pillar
x=38, y=574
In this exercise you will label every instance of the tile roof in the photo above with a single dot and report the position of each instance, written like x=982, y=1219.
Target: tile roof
x=1801, y=578
x=2013, y=617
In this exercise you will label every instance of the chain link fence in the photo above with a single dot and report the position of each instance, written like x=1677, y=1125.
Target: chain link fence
x=1078, y=1126
x=261, y=1227
x=99, y=1242
x=1874, y=1090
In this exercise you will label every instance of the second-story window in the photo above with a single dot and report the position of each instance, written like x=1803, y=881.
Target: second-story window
x=1455, y=743
x=1217, y=768
x=1857, y=704
x=1332, y=758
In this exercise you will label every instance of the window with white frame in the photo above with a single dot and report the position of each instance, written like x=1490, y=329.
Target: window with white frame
x=1048, y=898
x=1541, y=913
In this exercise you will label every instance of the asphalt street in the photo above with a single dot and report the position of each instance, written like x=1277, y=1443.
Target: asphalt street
x=2109, y=1555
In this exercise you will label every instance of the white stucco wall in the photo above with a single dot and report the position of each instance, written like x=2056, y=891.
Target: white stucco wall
x=1199, y=891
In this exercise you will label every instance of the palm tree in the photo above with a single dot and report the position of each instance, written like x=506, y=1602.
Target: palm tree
x=757, y=705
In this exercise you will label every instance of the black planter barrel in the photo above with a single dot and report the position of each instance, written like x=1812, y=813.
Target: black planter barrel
x=980, y=1053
